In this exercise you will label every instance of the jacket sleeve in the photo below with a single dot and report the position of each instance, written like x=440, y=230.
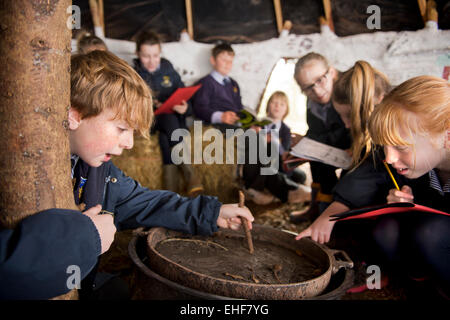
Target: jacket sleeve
x=367, y=185
x=137, y=206
x=37, y=257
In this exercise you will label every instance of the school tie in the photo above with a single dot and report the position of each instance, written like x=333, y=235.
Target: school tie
x=226, y=81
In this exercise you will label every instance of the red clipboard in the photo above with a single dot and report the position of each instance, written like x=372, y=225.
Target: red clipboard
x=175, y=99
x=397, y=207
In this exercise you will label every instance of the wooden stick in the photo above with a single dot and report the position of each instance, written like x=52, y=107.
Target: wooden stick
x=248, y=234
x=278, y=15
x=190, y=25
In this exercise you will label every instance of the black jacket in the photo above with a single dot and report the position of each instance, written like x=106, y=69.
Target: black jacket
x=332, y=131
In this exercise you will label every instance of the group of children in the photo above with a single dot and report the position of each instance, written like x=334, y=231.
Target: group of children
x=408, y=127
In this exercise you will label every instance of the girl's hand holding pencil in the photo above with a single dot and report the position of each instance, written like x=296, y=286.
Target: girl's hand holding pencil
x=403, y=195
x=398, y=195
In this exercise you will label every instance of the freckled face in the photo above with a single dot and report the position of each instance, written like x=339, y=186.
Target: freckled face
x=98, y=138
x=413, y=162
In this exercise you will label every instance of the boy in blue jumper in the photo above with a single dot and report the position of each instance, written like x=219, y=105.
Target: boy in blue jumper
x=108, y=102
x=218, y=101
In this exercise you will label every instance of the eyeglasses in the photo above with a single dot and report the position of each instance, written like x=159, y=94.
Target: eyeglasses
x=320, y=82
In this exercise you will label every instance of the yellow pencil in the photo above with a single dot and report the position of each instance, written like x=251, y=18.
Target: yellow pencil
x=390, y=173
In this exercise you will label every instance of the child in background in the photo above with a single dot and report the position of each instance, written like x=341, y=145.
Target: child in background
x=316, y=78
x=218, y=101
x=164, y=80
x=86, y=42
x=355, y=96
x=279, y=185
x=413, y=125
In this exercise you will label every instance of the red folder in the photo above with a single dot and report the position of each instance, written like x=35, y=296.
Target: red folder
x=397, y=207
x=176, y=98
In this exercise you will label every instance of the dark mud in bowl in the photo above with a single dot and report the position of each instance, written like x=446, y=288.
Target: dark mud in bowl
x=251, y=276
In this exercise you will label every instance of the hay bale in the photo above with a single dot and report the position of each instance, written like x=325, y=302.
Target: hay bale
x=144, y=164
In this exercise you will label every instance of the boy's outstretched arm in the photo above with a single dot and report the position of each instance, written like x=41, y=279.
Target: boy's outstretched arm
x=229, y=216
x=136, y=206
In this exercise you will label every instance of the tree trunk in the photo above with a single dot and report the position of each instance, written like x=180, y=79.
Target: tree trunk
x=35, y=46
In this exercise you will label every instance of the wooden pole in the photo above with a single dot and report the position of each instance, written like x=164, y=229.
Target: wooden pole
x=278, y=15
x=432, y=14
x=423, y=9
x=101, y=15
x=93, y=5
x=35, y=47
x=328, y=14
x=248, y=233
x=190, y=25
x=97, y=14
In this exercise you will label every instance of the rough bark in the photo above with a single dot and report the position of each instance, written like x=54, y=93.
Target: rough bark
x=34, y=97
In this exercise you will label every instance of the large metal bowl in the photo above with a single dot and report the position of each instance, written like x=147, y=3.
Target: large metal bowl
x=186, y=277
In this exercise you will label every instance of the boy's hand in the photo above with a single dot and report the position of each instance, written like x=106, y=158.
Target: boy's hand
x=403, y=195
x=104, y=224
x=229, y=216
x=229, y=117
x=181, y=108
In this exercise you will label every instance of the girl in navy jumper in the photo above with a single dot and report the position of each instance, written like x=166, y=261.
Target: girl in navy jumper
x=164, y=80
x=279, y=185
x=354, y=97
x=413, y=125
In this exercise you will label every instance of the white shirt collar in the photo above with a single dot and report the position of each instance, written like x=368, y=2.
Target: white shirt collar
x=219, y=77
x=436, y=184
x=277, y=124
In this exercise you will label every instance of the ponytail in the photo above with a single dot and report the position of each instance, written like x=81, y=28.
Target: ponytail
x=360, y=87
